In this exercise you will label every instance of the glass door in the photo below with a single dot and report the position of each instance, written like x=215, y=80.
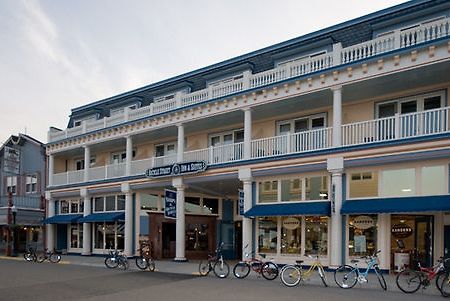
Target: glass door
x=424, y=240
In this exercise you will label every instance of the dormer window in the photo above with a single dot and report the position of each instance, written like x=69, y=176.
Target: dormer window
x=120, y=110
x=169, y=96
x=301, y=58
x=79, y=121
x=225, y=80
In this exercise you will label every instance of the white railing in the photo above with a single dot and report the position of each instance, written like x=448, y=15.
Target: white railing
x=139, y=167
x=164, y=160
x=395, y=40
x=377, y=130
x=115, y=170
x=198, y=155
x=226, y=153
x=98, y=173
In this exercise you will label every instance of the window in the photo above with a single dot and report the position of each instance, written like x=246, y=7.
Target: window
x=74, y=207
x=64, y=207
x=291, y=234
x=267, y=237
x=301, y=58
x=362, y=235
x=120, y=157
x=76, y=236
x=210, y=206
x=108, y=235
x=78, y=122
x=31, y=184
x=400, y=182
x=150, y=202
x=225, y=80
x=291, y=190
x=363, y=185
x=316, y=188
x=192, y=205
x=268, y=191
x=197, y=237
x=117, y=111
x=225, y=138
x=99, y=204
x=166, y=149
x=120, y=202
x=109, y=203
x=301, y=124
x=411, y=104
x=316, y=235
x=433, y=180
x=11, y=185
x=79, y=163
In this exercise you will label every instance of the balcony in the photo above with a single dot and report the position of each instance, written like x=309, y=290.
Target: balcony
x=394, y=41
x=28, y=202
x=395, y=128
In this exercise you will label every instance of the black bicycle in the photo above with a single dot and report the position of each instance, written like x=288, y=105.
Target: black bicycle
x=215, y=263
x=48, y=255
x=145, y=259
x=115, y=259
x=30, y=255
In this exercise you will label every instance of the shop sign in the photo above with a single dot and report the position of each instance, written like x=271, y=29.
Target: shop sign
x=176, y=169
x=401, y=230
x=11, y=160
x=291, y=223
x=241, y=202
x=332, y=198
x=363, y=222
x=170, y=204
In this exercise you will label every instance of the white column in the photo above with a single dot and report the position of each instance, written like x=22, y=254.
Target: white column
x=247, y=133
x=129, y=155
x=384, y=240
x=337, y=116
x=247, y=239
x=180, y=222
x=180, y=150
x=87, y=162
x=335, y=167
x=50, y=229
x=128, y=248
x=438, y=235
x=87, y=232
x=51, y=169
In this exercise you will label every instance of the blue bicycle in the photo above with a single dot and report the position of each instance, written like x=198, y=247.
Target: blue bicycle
x=347, y=276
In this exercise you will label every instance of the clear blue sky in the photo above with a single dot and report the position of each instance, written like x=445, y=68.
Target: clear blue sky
x=57, y=55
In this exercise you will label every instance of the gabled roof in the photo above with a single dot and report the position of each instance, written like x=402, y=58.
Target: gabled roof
x=20, y=140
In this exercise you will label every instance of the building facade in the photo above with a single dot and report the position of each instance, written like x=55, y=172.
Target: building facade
x=22, y=187
x=335, y=143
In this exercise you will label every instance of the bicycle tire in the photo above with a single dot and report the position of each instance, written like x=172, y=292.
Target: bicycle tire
x=322, y=275
x=409, y=281
x=204, y=268
x=141, y=263
x=221, y=269
x=41, y=258
x=54, y=258
x=346, y=276
x=241, y=270
x=111, y=262
x=123, y=263
x=29, y=257
x=444, y=283
x=290, y=275
x=380, y=277
x=151, y=265
x=269, y=270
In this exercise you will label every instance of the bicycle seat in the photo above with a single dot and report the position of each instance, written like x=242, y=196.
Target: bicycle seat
x=299, y=261
x=354, y=261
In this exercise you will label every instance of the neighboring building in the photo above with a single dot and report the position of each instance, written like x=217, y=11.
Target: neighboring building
x=339, y=139
x=22, y=187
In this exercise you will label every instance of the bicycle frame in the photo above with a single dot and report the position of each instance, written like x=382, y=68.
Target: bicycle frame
x=311, y=269
x=370, y=265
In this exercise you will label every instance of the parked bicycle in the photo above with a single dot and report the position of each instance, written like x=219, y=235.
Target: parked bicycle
x=145, y=259
x=48, y=255
x=346, y=276
x=30, y=255
x=410, y=280
x=215, y=263
x=116, y=259
x=292, y=274
x=267, y=269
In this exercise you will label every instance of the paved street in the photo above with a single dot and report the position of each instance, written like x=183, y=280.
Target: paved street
x=33, y=282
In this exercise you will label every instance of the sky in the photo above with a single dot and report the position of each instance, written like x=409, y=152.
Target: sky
x=58, y=55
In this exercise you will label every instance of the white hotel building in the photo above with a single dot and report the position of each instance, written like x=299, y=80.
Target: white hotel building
x=339, y=139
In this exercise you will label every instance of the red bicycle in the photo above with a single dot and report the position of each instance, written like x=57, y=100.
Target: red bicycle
x=267, y=269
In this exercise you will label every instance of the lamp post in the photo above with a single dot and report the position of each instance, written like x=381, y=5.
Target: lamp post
x=14, y=213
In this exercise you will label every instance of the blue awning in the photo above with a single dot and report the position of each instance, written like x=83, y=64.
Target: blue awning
x=103, y=217
x=399, y=204
x=63, y=219
x=303, y=208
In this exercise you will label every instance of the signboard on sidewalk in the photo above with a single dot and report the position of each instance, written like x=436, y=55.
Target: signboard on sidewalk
x=11, y=160
x=176, y=169
x=170, y=204
x=241, y=202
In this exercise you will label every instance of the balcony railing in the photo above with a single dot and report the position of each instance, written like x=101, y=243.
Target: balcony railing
x=32, y=202
x=393, y=41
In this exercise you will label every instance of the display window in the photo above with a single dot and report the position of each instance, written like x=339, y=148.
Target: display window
x=316, y=235
x=197, y=237
x=267, y=239
x=362, y=234
x=291, y=235
x=108, y=235
x=76, y=236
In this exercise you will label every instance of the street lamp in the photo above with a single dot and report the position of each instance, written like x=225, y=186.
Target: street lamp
x=14, y=213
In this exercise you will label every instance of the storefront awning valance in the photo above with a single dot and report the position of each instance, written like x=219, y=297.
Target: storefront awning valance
x=63, y=219
x=399, y=204
x=304, y=208
x=103, y=217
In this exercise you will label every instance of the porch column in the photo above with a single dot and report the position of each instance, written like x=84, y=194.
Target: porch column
x=51, y=169
x=49, y=228
x=180, y=150
x=128, y=248
x=247, y=133
x=245, y=175
x=384, y=240
x=87, y=232
x=87, y=162
x=180, y=222
x=337, y=115
x=336, y=167
x=129, y=155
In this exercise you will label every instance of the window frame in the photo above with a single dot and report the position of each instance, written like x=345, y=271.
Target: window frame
x=292, y=121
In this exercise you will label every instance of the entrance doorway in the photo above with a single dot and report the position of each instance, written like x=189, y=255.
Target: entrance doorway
x=446, y=241
x=238, y=239
x=168, y=240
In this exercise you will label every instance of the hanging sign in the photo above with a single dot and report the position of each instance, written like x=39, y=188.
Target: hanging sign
x=11, y=160
x=332, y=198
x=176, y=169
x=401, y=230
x=170, y=204
x=241, y=202
x=363, y=222
x=291, y=223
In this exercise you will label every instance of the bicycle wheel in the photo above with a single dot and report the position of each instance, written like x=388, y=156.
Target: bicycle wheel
x=290, y=275
x=141, y=263
x=204, y=268
x=241, y=270
x=40, y=258
x=54, y=258
x=380, y=277
x=443, y=284
x=29, y=257
x=322, y=275
x=151, y=265
x=345, y=276
x=269, y=270
x=409, y=281
x=439, y=280
x=111, y=262
x=123, y=263
x=221, y=269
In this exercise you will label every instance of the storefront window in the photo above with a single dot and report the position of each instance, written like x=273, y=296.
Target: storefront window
x=98, y=236
x=210, y=206
x=268, y=191
x=291, y=190
x=110, y=203
x=433, y=180
x=363, y=184
x=110, y=235
x=291, y=235
x=192, y=205
x=120, y=236
x=362, y=235
x=317, y=188
x=149, y=201
x=197, y=237
x=74, y=236
x=267, y=239
x=316, y=235
x=400, y=182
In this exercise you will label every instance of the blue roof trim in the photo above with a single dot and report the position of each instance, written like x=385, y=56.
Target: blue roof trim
x=103, y=217
x=397, y=205
x=63, y=219
x=285, y=209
